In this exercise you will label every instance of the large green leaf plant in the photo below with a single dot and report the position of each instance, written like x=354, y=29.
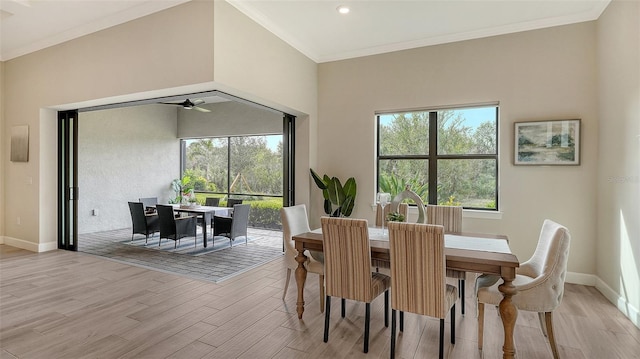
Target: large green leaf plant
x=335, y=194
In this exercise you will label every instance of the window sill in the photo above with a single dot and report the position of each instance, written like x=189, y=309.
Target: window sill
x=473, y=213
x=467, y=213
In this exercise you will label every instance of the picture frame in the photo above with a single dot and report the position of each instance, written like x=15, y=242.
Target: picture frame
x=547, y=143
x=20, y=143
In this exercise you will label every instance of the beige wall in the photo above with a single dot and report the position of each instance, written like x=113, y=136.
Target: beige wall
x=618, y=216
x=272, y=73
x=535, y=75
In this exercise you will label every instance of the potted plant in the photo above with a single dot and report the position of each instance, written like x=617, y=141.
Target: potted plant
x=395, y=217
x=183, y=190
x=335, y=194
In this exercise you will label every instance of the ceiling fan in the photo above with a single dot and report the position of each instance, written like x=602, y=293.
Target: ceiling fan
x=188, y=105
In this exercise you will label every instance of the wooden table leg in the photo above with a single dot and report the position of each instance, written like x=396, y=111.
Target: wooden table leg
x=509, y=314
x=301, y=277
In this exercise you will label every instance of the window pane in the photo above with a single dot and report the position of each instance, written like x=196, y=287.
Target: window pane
x=396, y=174
x=206, y=164
x=256, y=165
x=404, y=134
x=470, y=183
x=467, y=131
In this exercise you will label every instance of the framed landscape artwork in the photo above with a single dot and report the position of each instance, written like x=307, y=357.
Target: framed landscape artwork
x=547, y=143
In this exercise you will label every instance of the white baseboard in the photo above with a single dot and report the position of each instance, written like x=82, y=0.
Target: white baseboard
x=581, y=278
x=29, y=246
x=621, y=303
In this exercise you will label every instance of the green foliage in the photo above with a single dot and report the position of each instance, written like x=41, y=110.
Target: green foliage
x=472, y=182
x=181, y=186
x=265, y=214
x=394, y=185
x=198, y=182
x=395, y=217
x=450, y=202
x=343, y=197
x=254, y=167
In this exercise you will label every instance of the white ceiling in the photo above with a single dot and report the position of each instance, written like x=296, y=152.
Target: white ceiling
x=314, y=27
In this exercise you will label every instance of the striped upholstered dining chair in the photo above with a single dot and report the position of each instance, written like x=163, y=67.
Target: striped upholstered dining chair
x=450, y=217
x=381, y=216
x=347, y=269
x=424, y=289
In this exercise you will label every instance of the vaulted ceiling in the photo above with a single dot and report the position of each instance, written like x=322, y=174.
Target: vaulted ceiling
x=313, y=27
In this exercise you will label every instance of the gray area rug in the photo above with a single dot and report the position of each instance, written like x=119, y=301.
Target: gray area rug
x=216, y=263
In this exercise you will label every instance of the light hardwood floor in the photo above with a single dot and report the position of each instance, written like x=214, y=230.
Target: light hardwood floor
x=72, y=305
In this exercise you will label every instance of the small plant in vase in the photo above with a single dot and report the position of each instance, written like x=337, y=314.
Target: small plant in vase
x=395, y=217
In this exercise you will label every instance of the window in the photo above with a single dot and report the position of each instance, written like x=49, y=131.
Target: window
x=446, y=156
x=242, y=166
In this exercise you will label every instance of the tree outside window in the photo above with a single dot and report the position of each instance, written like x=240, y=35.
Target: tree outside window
x=448, y=157
x=241, y=167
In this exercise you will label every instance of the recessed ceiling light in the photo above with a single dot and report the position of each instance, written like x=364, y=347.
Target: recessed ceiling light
x=343, y=9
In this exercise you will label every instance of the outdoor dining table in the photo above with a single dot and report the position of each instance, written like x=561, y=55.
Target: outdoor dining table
x=470, y=252
x=206, y=212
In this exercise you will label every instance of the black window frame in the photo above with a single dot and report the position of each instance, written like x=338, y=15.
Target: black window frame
x=433, y=156
x=286, y=186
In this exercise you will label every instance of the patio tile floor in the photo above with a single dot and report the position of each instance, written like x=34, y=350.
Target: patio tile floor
x=264, y=246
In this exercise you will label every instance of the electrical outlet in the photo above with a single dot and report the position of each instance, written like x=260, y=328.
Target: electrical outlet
x=18, y=220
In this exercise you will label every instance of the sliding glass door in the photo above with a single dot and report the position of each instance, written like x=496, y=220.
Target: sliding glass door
x=68, y=180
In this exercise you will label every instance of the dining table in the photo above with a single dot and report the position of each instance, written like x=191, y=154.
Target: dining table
x=470, y=252
x=205, y=212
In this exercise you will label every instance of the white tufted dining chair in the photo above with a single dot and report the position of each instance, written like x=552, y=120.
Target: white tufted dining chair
x=295, y=221
x=539, y=281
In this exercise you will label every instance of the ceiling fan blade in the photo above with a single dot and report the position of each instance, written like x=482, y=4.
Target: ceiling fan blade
x=200, y=109
x=197, y=102
x=169, y=103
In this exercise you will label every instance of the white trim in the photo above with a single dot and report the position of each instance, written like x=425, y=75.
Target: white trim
x=621, y=303
x=581, y=278
x=29, y=246
x=474, y=213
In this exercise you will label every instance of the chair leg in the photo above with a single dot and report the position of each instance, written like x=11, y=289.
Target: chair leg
x=453, y=324
x=327, y=312
x=393, y=334
x=386, y=308
x=480, y=324
x=321, y=280
x=286, y=283
x=552, y=340
x=401, y=321
x=343, y=311
x=367, y=318
x=542, y=325
x=441, y=346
